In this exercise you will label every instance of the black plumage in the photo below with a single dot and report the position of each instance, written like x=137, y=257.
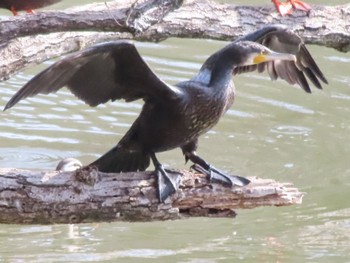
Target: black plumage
x=172, y=116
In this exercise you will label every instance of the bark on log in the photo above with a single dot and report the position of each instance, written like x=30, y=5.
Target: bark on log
x=155, y=20
x=47, y=197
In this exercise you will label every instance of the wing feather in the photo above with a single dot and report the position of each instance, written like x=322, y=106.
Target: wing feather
x=104, y=72
x=280, y=39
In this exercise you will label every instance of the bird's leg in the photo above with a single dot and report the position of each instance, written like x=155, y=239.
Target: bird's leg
x=14, y=11
x=167, y=183
x=300, y=5
x=283, y=8
x=214, y=174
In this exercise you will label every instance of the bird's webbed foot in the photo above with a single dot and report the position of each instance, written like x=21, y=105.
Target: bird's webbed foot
x=216, y=176
x=168, y=181
x=213, y=174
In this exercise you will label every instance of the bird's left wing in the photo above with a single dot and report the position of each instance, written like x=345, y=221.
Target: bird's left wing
x=104, y=72
x=278, y=38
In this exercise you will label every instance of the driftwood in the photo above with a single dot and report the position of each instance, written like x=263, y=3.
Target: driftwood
x=155, y=20
x=47, y=197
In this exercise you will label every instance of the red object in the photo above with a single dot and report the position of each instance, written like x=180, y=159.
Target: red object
x=287, y=7
x=25, y=5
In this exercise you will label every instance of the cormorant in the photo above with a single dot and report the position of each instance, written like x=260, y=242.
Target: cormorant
x=287, y=8
x=25, y=5
x=172, y=116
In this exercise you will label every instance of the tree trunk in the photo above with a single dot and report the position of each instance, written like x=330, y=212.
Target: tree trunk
x=155, y=20
x=48, y=197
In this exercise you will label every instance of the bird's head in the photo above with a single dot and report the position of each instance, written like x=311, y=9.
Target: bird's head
x=254, y=53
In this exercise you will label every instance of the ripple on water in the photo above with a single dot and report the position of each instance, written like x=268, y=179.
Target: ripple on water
x=50, y=116
x=36, y=126
x=98, y=130
x=318, y=240
x=282, y=104
x=291, y=130
x=59, y=109
x=341, y=96
x=71, y=102
x=108, y=118
x=33, y=158
x=338, y=59
x=23, y=116
x=40, y=100
x=28, y=137
x=242, y=114
x=24, y=108
x=186, y=66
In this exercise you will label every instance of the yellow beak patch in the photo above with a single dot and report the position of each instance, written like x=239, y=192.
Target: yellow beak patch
x=259, y=59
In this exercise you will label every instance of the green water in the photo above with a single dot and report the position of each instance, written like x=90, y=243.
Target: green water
x=272, y=131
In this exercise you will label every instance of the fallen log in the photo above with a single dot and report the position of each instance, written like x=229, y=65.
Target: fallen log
x=50, y=197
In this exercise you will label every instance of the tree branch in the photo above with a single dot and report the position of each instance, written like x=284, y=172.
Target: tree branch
x=118, y=16
x=172, y=18
x=38, y=197
x=155, y=20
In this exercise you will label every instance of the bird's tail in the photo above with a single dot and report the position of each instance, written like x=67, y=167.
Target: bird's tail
x=120, y=159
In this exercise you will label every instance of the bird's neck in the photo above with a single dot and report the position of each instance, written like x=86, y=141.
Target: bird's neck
x=217, y=70
x=221, y=76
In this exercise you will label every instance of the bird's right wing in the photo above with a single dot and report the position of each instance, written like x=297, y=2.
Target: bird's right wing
x=104, y=72
x=280, y=39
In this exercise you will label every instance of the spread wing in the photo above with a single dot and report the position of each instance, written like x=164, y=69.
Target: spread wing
x=104, y=72
x=280, y=39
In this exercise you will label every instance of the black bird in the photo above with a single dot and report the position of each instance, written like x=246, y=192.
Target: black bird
x=172, y=116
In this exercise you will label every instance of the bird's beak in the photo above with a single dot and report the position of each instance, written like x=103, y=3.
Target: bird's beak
x=271, y=56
